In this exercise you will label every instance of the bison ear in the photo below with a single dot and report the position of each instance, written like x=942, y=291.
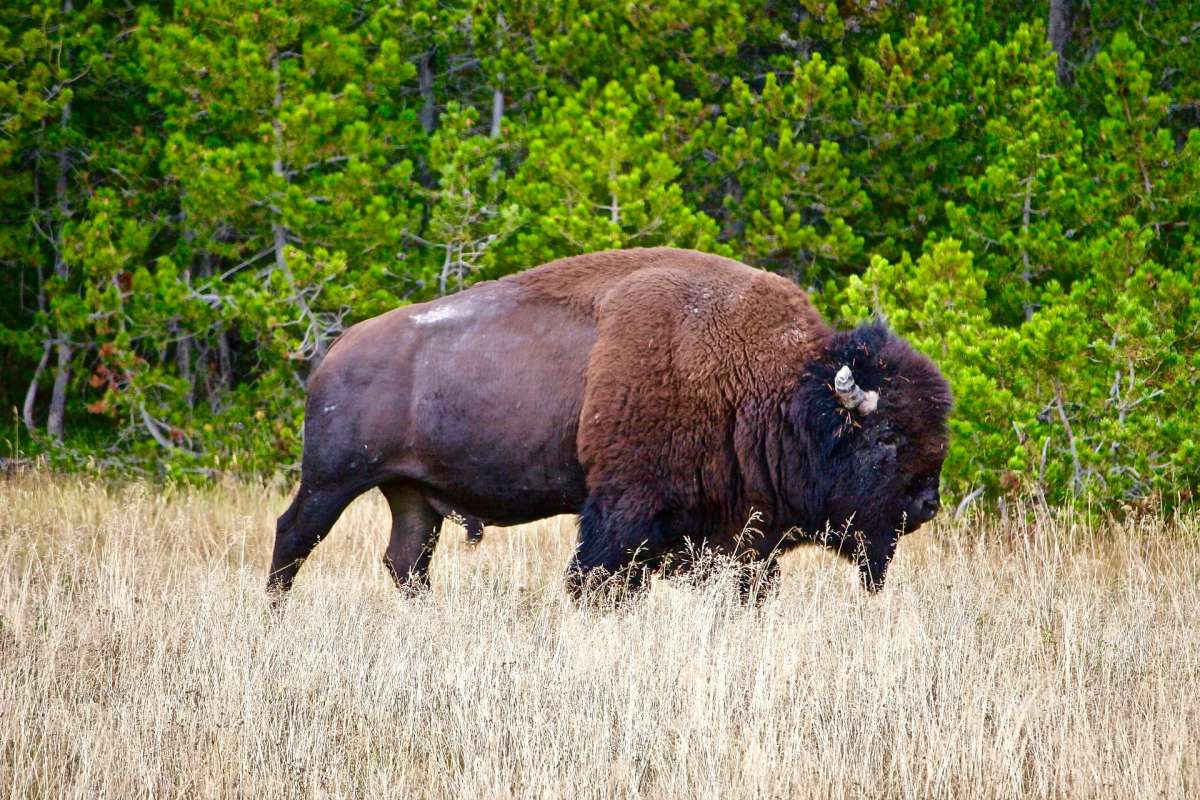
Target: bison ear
x=850, y=395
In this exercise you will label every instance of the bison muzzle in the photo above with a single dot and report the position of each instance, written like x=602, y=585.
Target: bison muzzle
x=663, y=395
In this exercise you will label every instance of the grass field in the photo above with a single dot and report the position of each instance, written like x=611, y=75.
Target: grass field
x=137, y=658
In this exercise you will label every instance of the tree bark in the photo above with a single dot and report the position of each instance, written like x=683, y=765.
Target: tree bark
x=1027, y=272
x=216, y=377
x=183, y=358
x=1058, y=30
x=224, y=372
x=278, y=231
x=183, y=340
x=497, y=109
x=498, y=89
x=1076, y=467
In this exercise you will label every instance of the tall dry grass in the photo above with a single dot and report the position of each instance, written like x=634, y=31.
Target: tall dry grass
x=137, y=658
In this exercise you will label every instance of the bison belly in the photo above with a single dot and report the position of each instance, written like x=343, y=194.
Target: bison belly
x=475, y=397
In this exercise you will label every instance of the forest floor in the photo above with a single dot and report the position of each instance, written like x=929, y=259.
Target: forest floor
x=1049, y=657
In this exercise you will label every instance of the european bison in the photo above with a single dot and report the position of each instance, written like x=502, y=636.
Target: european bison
x=661, y=394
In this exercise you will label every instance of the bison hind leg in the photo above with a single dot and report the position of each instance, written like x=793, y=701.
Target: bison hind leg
x=615, y=555
x=416, y=526
x=474, y=526
x=300, y=529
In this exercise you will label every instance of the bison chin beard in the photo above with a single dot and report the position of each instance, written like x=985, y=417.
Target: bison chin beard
x=873, y=556
x=872, y=553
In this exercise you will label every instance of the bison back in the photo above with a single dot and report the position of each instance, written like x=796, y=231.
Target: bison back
x=475, y=397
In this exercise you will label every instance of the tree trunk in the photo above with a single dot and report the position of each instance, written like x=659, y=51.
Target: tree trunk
x=58, y=396
x=425, y=84
x=183, y=359
x=55, y=425
x=498, y=89
x=498, y=92
x=1027, y=271
x=278, y=231
x=183, y=340
x=31, y=392
x=224, y=372
x=1058, y=31
x=497, y=108
x=216, y=377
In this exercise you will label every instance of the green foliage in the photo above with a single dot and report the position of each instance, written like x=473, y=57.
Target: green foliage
x=197, y=197
x=600, y=173
x=785, y=190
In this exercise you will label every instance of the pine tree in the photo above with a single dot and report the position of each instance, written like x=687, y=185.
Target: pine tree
x=907, y=113
x=1028, y=209
x=287, y=129
x=196, y=197
x=65, y=66
x=601, y=173
x=773, y=157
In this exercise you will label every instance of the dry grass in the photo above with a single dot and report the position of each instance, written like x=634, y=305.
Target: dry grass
x=137, y=659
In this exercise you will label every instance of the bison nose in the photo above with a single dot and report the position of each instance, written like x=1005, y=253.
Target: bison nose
x=924, y=506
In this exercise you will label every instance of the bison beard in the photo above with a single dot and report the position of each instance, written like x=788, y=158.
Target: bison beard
x=663, y=395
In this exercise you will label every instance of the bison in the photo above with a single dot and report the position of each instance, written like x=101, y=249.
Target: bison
x=663, y=395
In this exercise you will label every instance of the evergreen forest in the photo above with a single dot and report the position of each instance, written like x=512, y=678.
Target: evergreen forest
x=197, y=197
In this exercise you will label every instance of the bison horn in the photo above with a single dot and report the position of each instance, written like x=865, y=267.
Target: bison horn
x=850, y=395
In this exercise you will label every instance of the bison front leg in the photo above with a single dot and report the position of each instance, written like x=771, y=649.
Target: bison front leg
x=756, y=577
x=615, y=556
x=415, y=529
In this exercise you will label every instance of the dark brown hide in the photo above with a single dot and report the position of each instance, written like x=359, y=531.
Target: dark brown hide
x=663, y=394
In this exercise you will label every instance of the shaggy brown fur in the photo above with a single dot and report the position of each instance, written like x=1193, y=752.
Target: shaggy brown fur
x=690, y=349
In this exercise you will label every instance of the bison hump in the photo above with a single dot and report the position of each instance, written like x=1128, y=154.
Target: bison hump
x=689, y=351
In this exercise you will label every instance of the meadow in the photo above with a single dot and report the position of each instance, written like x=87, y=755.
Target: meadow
x=1044, y=655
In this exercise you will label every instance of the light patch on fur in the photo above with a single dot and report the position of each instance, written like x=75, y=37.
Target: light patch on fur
x=446, y=311
x=793, y=336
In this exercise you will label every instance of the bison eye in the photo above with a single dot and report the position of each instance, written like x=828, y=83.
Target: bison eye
x=919, y=485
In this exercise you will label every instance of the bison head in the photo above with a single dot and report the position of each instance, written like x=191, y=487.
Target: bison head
x=868, y=423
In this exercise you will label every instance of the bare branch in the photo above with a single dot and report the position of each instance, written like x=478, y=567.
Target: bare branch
x=970, y=498
x=155, y=429
x=31, y=392
x=1077, y=469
